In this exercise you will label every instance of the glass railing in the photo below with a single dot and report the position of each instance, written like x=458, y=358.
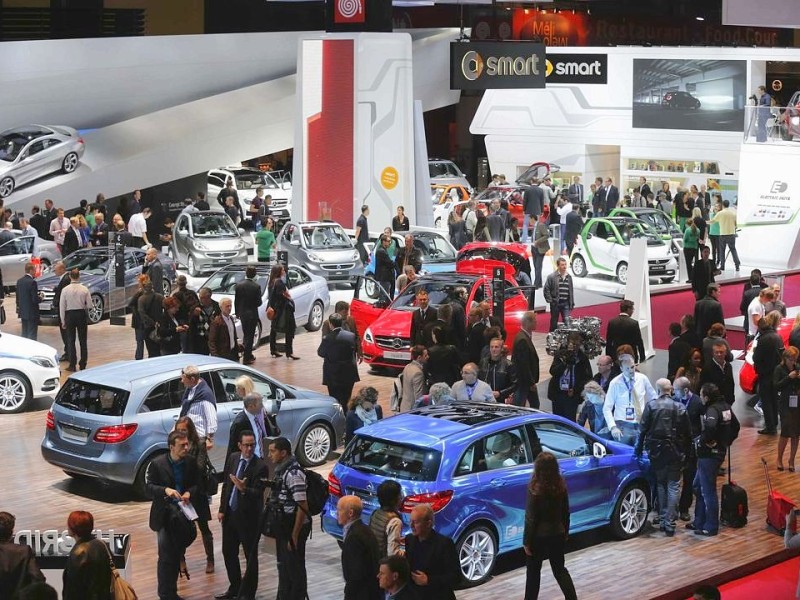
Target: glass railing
x=776, y=125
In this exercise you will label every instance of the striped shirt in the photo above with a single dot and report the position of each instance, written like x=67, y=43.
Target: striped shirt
x=563, y=290
x=204, y=416
x=293, y=486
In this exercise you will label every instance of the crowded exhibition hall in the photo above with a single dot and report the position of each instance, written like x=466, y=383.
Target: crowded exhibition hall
x=399, y=300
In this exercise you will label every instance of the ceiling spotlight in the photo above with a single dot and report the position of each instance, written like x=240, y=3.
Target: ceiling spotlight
x=700, y=18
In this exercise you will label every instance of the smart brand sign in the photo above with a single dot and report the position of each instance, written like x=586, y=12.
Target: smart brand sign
x=576, y=68
x=496, y=65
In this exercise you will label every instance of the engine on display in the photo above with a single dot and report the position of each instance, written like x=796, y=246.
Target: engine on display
x=592, y=343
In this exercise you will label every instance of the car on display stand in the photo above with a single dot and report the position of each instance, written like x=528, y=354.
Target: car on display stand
x=438, y=254
x=30, y=152
x=441, y=212
x=110, y=422
x=322, y=248
x=603, y=248
x=245, y=181
x=748, y=379
x=680, y=100
x=386, y=323
x=28, y=370
x=309, y=292
x=441, y=193
x=472, y=462
x=17, y=252
x=97, y=272
x=790, y=119
x=446, y=172
x=665, y=225
x=207, y=240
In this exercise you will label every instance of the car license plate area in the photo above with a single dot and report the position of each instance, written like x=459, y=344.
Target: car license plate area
x=658, y=268
x=71, y=433
x=397, y=355
x=366, y=497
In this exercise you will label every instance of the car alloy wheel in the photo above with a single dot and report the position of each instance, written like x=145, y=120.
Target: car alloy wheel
x=630, y=513
x=315, y=317
x=192, y=267
x=257, y=336
x=315, y=445
x=579, y=266
x=70, y=162
x=96, y=309
x=166, y=287
x=15, y=391
x=6, y=186
x=477, y=552
x=622, y=273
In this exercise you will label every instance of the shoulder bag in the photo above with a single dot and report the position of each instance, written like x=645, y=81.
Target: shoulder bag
x=212, y=479
x=120, y=589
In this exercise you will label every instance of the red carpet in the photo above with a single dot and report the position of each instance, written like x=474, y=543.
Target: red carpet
x=778, y=582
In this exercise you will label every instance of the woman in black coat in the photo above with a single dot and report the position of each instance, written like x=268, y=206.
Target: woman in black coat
x=444, y=362
x=169, y=329
x=87, y=575
x=570, y=371
x=787, y=387
x=280, y=301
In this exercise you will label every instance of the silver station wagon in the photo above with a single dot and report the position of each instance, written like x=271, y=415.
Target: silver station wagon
x=109, y=422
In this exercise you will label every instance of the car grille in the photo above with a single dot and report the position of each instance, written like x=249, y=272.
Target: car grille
x=279, y=203
x=48, y=295
x=221, y=254
x=391, y=342
x=342, y=267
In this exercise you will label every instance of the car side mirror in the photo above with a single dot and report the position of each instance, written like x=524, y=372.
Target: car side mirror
x=280, y=396
x=241, y=231
x=598, y=450
x=272, y=406
x=611, y=239
x=589, y=236
x=294, y=242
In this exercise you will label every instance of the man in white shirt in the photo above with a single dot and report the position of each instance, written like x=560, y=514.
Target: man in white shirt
x=627, y=396
x=563, y=209
x=756, y=310
x=137, y=227
x=73, y=308
x=59, y=227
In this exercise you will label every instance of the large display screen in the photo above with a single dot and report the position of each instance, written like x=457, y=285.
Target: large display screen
x=689, y=94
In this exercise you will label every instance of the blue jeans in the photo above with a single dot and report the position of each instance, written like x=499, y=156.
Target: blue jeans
x=630, y=432
x=706, y=510
x=525, y=223
x=668, y=489
x=558, y=309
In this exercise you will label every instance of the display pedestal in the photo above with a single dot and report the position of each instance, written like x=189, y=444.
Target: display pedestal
x=683, y=269
x=638, y=290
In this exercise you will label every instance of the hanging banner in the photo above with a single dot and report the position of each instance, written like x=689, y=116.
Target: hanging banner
x=496, y=65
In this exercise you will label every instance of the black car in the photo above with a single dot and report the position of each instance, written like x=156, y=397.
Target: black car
x=680, y=100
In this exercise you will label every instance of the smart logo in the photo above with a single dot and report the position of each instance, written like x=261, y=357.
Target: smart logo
x=576, y=68
x=473, y=66
x=496, y=65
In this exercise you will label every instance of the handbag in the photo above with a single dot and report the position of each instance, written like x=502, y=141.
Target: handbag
x=120, y=589
x=182, y=530
x=271, y=313
x=154, y=337
x=212, y=479
x=2, y=315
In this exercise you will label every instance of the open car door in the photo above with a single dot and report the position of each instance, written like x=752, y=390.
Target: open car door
x=369, y=302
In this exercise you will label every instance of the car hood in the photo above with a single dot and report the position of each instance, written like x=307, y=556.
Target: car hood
x=220, y=243
x=393, y=323
x=20, y=347
x=334, y=254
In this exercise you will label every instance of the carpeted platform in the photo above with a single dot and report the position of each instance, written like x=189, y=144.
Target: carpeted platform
x=778, y=582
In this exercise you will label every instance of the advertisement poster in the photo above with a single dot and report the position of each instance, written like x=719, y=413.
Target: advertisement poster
x=689, y=94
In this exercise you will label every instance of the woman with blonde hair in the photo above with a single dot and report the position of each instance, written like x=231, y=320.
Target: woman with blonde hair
x=787, y=387
x=244, y=385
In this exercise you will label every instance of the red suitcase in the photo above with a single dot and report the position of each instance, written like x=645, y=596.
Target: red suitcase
x=778, y=506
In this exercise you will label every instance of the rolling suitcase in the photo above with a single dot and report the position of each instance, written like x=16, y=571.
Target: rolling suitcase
x=778, y=506
x=733, y=507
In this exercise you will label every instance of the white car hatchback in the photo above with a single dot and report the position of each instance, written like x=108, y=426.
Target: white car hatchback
x=28, y=370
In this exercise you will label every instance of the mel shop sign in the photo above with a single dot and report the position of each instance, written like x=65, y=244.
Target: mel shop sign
x=496, y=65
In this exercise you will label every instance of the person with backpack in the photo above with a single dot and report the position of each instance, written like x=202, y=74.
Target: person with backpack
x=719, y=427
x=385, y=523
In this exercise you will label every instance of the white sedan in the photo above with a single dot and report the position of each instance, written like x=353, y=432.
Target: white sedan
x=28, y=370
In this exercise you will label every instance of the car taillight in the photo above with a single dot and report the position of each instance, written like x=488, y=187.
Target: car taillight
x=334, y=485
x=80, y=140
x=114, y=434
x=437, y=500
x=50, y=421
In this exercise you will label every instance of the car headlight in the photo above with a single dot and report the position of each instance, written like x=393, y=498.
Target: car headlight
x=368, y=336
x=795, y=120
x=200, y=246
x=338, y=407
x=239, y=245
x=356, y=255
x=314, y=257
x=43, y=361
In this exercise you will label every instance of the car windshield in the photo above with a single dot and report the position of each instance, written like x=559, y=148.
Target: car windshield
x=213, y=226
x=439, y=292
x=12, y=143
x=326, y=236
x=392, y=460
x=91, y=263
x=224, y=282
x=434, y=248
x=630, y=230
x=443, y=168
x=246, y=180
x=92, y=398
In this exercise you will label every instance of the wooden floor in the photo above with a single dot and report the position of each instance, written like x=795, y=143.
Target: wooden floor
x=649, y=566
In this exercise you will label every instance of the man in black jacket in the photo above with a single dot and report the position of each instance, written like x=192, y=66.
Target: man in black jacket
x=394, y=578
x=360, y=553
x=244, y=481
x=703, y=274
x=72, y=238
x=766, y=357
x=28, y=299
x=625, y=330
x=572, y=227
x=498, y=372
x=200, y=321
x=246, y=302
x=154, y=270
x=384, y=266
x=533, y=205
x=18, y=566
x=749, y=293
x=423, y=315
x=408, y=255
x=677, y=351
x=526, y=361
x=339, y=367
x=720, y=373
x=708, y=311
x=40, y=223
x=432, y=557
x=252, y=418
x=169, y=480
x=60, y=270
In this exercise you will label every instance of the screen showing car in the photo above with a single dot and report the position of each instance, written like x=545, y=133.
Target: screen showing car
x=689, y=94
x=213, y=226
x=326, y=236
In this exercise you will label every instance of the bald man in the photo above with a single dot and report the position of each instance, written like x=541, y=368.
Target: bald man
x=432, y=557
x=360, y=552
x=222, y=338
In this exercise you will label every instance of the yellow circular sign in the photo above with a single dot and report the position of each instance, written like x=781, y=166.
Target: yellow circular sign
x=548, y=68
x=389, y=178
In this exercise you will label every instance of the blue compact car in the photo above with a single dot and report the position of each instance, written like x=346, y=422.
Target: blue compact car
x=472, y=462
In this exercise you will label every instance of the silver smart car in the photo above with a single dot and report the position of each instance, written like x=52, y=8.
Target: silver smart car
x=206, y=241
x=321, y=247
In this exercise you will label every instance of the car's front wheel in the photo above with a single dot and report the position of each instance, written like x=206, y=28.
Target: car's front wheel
x=622, y=273
x=315, y=317
x=166, y=287
x=140, y=483
x=70, y=162
x=257, y=336
x=6, y=186
x=97, y=309
x=315, y=445
x=477, y=553
x=630, y=512
x=579, y=266
x=667, y=279
x=191, y=266
x=15, y=391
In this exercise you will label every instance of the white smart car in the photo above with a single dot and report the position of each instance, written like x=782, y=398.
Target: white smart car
x=603, y=248
x=28, y=370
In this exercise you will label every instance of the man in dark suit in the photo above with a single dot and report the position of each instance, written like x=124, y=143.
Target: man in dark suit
x=28, y=299
x=575, y=191
x=708, y=311
x=339, y=367
x=252, y=418
x=678, y=349
x=244, y=481
x=703, y=273
x=17, y=564
x=72, y=238
x=423, y=315
x=533, y=205
x=99, y=235
x=432, y=557
x=49, y=213
x=348, y=324
x=394, y=578
x=60, y=270
x=611, y=195
x=572, y=227
x=170, y=479
x=246, y=301
x=360, y=553
x=720, y=372
x=384, y=265
x=625, y=330
x=223, y=341
x=526, y=361
x=154, y=270
x=39, y=223
x=599, y=198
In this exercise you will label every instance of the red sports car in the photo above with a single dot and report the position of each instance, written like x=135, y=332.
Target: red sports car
x=386, y=325
x=747, y=376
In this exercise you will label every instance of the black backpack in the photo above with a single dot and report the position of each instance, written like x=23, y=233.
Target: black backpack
x=317, y=492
